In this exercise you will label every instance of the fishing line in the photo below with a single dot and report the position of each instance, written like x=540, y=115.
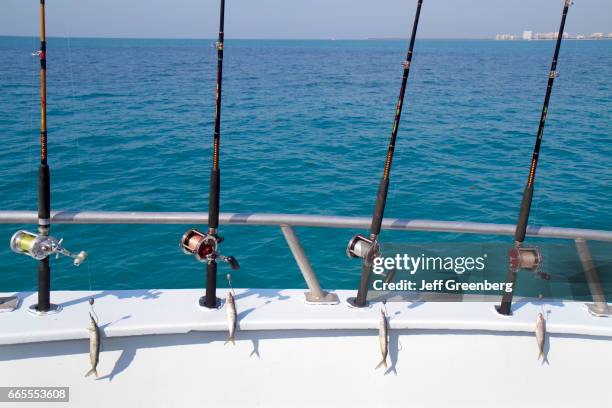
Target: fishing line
x=229, y=282
x=568, y=73
x=384, y=307
x=78, y=145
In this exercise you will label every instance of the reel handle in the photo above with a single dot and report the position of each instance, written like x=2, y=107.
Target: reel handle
x=233, y=262
x=80, y=258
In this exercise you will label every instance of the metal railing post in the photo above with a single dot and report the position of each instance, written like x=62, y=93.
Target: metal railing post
x=315, y=294
x=599, y=307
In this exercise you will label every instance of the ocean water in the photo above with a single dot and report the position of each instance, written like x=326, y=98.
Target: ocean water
x=304, y=130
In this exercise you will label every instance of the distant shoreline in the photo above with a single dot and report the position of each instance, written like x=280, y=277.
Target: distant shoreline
x=304, y=39
x=255, y=39
x=554, y=39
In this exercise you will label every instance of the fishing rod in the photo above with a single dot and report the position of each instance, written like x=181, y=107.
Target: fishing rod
x=530, y=257
x=40, y=246
x=204, y=246
x=368, y=248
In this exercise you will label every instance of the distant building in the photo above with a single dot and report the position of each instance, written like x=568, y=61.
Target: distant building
x=550, y=36
x=580, y=37
x=597, y=36
x=544, y=36
x=610, y=35
x=529, y=35
x=506, y=37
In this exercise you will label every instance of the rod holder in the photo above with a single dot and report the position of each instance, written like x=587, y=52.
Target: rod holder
x=53, y=309
x=316, y=295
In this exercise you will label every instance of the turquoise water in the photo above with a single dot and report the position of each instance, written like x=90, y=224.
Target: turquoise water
x=305, y=129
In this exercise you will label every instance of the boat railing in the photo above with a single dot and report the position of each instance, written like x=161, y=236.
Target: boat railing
x=287, y=222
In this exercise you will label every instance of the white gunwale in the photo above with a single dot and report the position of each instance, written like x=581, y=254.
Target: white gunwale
x=175, y=311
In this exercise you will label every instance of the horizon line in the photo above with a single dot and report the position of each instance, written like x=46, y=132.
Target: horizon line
x=249, y=39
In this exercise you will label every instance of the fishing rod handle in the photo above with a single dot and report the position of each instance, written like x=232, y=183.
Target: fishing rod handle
x=213, y=204
x=523, y=218
x=379, y=209
x=44, y=196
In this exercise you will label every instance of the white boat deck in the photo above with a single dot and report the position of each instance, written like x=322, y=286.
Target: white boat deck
x=160, y=349
x=150, y=312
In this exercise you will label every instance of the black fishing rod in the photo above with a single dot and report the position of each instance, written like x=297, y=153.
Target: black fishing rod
x=368, y=248
x=40, y=246
x=522, y=257
x=205, y=246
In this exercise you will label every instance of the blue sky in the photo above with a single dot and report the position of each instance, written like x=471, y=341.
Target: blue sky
x=339, y=19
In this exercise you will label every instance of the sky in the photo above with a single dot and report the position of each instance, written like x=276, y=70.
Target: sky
x=301, y=19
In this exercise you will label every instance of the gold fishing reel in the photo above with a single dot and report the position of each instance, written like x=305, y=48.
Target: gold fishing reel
x=40, y=246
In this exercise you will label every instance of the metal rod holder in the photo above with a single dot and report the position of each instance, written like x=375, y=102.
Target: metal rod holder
x=315, y=294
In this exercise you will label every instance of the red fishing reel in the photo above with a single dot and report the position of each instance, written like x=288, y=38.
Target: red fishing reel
x=205, y=247
x=202, y=246
x=529, y=258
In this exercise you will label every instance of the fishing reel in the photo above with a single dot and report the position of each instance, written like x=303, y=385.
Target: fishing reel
x=364, y=248
x=529, y=258
x=40, y=246
x=205, y=247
